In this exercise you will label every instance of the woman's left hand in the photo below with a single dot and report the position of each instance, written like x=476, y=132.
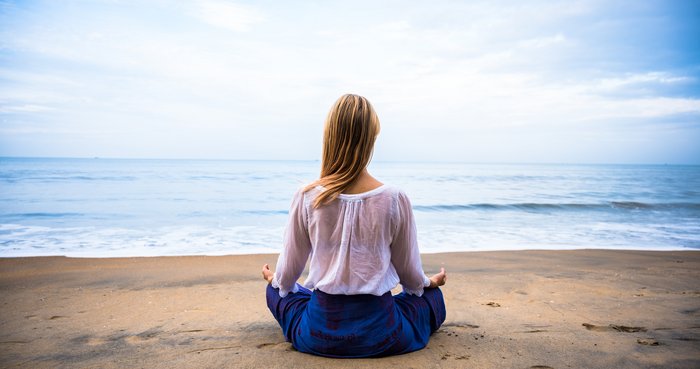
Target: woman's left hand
x=438, y=279
x=267, y=273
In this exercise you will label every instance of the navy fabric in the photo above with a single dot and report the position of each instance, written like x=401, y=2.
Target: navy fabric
x=352, y=326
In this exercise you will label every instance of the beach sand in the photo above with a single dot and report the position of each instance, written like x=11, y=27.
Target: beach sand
x=524, y=309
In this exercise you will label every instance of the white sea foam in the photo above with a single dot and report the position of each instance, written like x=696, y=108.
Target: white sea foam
x=18, y=240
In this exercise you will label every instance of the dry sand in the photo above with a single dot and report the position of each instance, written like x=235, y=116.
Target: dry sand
x=525, y=309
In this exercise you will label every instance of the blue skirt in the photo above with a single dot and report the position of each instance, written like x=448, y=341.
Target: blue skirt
x=353, y=326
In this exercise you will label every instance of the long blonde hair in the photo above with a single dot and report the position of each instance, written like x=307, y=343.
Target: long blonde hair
x=349, y=134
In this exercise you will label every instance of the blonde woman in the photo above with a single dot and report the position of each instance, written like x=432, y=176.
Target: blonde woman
x=360, y=238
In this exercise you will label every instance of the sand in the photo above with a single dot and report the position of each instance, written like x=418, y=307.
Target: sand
x=525, y=309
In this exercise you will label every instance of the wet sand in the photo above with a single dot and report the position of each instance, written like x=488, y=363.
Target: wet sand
x=524, y=309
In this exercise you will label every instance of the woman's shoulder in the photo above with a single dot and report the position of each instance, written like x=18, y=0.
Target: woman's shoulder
x=394, y=191
x=307, y=190
x=310, y=192
x=387, y=192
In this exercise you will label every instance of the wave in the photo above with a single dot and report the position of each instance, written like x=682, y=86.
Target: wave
x=10, y=178
x=265, y=212
x=43, y=215
x=606, y=206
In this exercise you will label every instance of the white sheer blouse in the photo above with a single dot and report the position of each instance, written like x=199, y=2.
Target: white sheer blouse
x=357, y=244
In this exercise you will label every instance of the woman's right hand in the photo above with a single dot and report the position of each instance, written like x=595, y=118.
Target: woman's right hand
x=438, y=279
x=267, y=273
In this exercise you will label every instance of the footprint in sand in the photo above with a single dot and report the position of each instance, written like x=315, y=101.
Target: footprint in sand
x=266, y=344
x=286, y=345
x=536, y=328
x=460, y=325
x=648, y=342
x=613, y=328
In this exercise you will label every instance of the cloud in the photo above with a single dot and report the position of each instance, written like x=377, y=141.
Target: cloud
x=23, y=108
x=542, y=42
x=642, y=78
x=227, y=15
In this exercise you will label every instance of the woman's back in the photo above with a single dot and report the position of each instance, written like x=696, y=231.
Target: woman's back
x=353, y=240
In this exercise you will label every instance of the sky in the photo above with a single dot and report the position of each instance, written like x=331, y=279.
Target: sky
x=456, y=81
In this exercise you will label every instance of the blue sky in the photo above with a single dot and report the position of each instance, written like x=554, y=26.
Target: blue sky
x=474, y=81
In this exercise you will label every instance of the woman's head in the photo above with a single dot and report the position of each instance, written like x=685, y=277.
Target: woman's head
x=350, y=131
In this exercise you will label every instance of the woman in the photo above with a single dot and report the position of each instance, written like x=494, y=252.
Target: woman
x=360, y=237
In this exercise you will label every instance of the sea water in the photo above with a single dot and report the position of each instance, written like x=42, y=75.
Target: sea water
x=121, y=207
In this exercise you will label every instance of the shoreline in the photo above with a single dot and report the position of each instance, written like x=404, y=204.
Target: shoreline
x=514, y=249
x=594, y=308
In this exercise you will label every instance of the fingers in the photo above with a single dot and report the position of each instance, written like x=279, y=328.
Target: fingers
x=267, y=273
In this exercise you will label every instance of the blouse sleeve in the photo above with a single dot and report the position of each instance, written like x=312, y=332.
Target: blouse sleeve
x=404, y=249
x=296, y=248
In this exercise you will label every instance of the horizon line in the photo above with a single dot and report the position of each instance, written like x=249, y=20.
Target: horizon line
x=318, y=160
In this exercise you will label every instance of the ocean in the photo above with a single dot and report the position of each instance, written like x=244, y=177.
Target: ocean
x=124, y=207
